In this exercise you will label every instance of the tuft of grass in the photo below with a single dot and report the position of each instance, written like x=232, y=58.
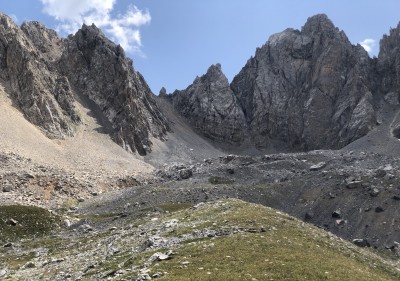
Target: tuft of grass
x=32, y=222
x=175, y=207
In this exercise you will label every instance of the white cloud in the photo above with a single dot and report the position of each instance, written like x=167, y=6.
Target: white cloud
x=368, y=44
x=122, y=28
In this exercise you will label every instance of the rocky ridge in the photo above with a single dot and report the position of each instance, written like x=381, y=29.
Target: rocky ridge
x=45, y=97
x=308, y=88
x=100, y=70
x=48, y=75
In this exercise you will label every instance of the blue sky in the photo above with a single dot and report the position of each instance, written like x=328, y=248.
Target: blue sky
x=173, y=41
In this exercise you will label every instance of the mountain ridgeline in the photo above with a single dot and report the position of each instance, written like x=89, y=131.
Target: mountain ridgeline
x=304, y=89
x=46, y=75
x=308, y=88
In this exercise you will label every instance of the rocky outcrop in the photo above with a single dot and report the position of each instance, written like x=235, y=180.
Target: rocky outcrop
x=211, y=107
x=43, y=96
x=311, y=88
x=99, y=69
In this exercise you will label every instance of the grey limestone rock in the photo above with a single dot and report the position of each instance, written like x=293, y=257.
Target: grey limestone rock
x=99, y=70
x=42, y=95
x=211, y=107
x=46, y=73
x=311, y=88
x=307, y=89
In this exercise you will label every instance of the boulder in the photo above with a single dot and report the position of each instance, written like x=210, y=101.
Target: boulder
x=361, y=242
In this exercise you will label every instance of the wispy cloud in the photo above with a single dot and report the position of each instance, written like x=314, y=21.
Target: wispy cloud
x=368, y=44
x=122, y=28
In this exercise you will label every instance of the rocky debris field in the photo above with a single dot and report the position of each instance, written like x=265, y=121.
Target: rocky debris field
x=131, y=228
x=27, y=183
x=355, y=195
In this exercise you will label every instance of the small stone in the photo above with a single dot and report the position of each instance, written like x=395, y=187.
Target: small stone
x=8, y=245
x=361, y=242
x=340, y=222
x=12, y=222
x=374, y=192
x=157, y=275
x=7, y=188
x=230, y=171
x=162, y=257
x=352, y=183
x=143, y=277
x=388, y=168
x=380, y=173
x=3, y=273
x=29, y=265
x=336, y=214
x=379, y=209
x=308, y=216
x=318, y=166
x=67, y=223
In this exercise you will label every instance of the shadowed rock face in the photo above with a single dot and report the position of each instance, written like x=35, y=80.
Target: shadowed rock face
x=100, y=70
x=211, y=107
x=310, y=88
x=45, y=72
x=43, y=95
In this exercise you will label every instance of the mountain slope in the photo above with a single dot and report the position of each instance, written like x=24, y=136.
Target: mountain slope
x=90, y=151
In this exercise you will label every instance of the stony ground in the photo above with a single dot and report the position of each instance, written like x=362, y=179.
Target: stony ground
x=220, y=240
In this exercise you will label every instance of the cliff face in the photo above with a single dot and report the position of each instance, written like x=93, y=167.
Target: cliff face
x=45, y=74
x=100, y=70
x=43, y=95
x=211, y=107
x=310, y=89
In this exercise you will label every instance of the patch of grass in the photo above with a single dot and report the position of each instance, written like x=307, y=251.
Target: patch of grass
x=15, y=261
x=288, y=249
x=67, y=204
x=219, y=180
x=31, y=222
x=175, y=207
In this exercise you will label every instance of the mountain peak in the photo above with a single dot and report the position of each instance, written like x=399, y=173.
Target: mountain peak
x=6, y=21
x=215, y=68
x=318, y=23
